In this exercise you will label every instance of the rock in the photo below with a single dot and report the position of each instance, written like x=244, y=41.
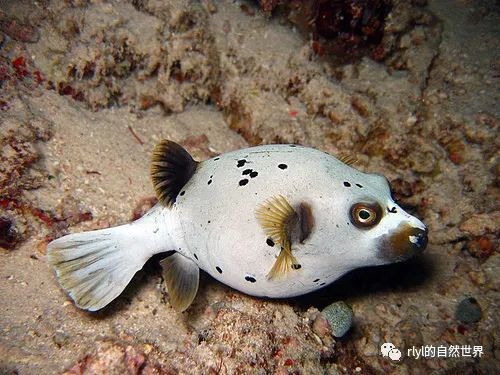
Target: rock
x=468, y=310
x=479, y=224
x=117, y=358
x=8, y=236
x=120, y=54
x=320, y=326
x=339, y=316
x=60, y=338
x=481, y=247
x=18, y=30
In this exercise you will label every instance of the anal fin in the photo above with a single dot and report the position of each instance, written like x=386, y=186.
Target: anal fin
x=182, y=276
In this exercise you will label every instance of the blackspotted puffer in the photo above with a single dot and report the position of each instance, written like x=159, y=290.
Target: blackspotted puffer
x=270, y=221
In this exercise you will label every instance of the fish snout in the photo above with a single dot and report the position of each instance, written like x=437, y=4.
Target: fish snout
x=403, y=242
x=419, y=239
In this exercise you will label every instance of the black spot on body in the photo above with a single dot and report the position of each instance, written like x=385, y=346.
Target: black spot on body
x=347, y=184
x=315, y=281
x=243, y=182
x=209, y=182
x=209, y=221
x=358, y=185
x=250, y=278
x=195, y=256
x=270, y=242
x=296, y=266
x=282, y=166
x=293, y=145
x=392, y=210
x=241, y=163
x=253, y=174
x=182, y=193
x=216, y=159
x=247, y=171
x=322, y=284
x=218, y=269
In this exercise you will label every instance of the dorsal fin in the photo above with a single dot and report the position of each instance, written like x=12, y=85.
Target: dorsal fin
x=347, y=159
x=171, y=169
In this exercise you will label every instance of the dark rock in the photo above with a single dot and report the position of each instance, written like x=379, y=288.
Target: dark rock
x=468, y=310
x=7, y=233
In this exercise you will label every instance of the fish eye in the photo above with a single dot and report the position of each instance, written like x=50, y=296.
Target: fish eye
x=365, y=215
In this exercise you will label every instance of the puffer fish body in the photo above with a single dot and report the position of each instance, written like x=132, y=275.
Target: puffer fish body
x=271, y=221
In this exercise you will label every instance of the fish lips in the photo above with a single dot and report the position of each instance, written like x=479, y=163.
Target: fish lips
x=402, y=243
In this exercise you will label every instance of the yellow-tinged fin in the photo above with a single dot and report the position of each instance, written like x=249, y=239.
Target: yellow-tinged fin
x=95, y=267
x=278, y=218
x=182, y=276
x=284, y=263
x=171, y=169
x=347, y=159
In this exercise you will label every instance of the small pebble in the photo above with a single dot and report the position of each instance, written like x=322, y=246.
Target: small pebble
x=209, y=6
x=468, y=311
x=339, y=315
x=216, y=307
x=60, y=338
x=321, y=326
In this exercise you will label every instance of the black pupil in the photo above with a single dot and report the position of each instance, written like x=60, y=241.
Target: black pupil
x=364, y=214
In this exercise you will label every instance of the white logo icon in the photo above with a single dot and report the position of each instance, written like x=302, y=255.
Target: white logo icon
x=395, y=354
x=389, y=350
x=386, y=348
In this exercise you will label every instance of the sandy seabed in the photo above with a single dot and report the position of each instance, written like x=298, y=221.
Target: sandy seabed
x=89, y=87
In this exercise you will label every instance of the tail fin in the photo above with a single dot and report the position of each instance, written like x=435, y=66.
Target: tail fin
x=95, y=267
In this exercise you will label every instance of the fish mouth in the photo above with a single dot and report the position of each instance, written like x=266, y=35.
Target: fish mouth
x=402, y=243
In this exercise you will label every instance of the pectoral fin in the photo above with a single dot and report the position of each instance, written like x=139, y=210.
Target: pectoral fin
x=182, y=276
x=278, y=218
x=284, y=263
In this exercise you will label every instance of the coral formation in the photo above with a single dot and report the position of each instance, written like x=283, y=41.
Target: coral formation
x=120, y=54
